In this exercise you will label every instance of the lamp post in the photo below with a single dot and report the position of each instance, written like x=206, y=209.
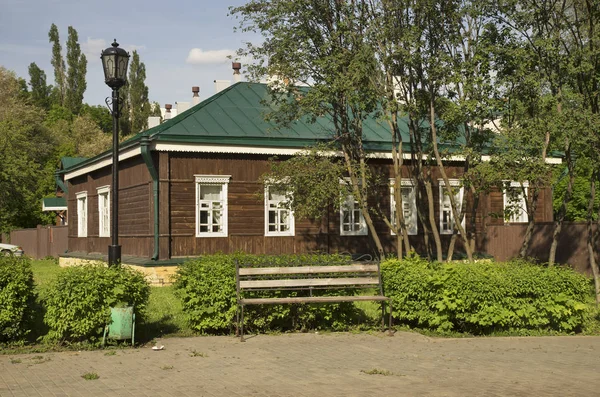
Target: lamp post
x=114, y=63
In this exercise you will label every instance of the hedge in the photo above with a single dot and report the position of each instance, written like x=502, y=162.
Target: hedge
x=486, y=297
x=78, y=302
x=17, y=298
x=207, y=289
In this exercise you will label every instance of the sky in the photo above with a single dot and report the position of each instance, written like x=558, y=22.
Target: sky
x=182, y=43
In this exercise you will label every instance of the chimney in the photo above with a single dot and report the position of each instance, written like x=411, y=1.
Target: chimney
x=237, y=77
x=153, y=121
x=182, y=106
x=168, y=108
x=220, y=85
x=195, y=97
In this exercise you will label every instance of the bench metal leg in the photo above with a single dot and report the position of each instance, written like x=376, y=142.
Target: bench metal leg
x=382, y=316
x=242, y=325
x=237, y=320
x=390, y=332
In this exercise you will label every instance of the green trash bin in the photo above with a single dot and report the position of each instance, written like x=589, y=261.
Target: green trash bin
x=122, y=325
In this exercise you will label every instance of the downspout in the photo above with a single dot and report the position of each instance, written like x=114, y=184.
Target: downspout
x=145, y=150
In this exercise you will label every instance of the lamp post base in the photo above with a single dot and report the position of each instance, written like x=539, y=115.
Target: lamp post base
x=114, y=255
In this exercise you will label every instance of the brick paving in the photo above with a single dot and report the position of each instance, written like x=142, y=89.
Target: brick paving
x=406, y=364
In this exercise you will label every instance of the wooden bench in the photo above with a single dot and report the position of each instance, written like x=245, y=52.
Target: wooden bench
x=335, y=279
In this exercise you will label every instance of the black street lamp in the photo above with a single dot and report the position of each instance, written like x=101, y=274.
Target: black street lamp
x=114, y=63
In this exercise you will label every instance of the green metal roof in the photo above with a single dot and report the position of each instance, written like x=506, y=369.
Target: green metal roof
x=52, y=203
x=236, y=116
x=68, y=162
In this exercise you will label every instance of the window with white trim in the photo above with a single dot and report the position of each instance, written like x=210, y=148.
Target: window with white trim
x=211, y=205
x=409, y=205
x=82, y=212
x=515, y=207
x=352, y=222
x=104, y=211
x=279, y=219
x=447, y=221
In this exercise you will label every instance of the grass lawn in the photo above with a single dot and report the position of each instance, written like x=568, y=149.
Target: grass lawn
x=164, y=314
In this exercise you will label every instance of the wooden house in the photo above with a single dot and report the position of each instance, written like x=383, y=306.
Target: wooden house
x=190, y=186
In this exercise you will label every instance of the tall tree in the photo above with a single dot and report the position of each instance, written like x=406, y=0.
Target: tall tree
x=58, y=63
x=138, y=95
x=327, y=39
x=40, y=91
x=77, y=69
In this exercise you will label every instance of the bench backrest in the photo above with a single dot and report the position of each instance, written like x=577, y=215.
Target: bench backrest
x=307, y=277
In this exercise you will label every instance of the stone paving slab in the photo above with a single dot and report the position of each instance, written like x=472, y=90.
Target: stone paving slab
x=338, y=364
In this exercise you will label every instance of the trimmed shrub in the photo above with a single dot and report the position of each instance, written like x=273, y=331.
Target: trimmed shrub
x=17, y=297
x=486, y=297
x=206, y=287
x=78, y=302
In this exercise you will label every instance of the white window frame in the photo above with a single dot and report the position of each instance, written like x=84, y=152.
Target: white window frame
x=523, y=216
x=351, y=205
x=82, y=214
x=279, y=209
x=103, y=213
x=412, y=227
x=212, y=180
x=458, y=196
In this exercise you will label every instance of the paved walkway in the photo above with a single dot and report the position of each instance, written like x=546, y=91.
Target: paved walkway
x=316, y=365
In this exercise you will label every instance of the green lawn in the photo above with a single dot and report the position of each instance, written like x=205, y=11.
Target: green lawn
x=164, y=315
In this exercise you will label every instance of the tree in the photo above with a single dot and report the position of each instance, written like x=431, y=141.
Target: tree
x=77, y=69
x=139, y=106
x=59, y=66
x=100, y=114
x=25, y=147
x=331, y=56
x=40, y=91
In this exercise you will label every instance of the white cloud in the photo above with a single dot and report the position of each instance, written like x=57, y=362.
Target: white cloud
x=92, y=49
x=134, y=47
x=199, y=57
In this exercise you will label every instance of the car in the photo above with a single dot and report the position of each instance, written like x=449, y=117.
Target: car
x=11, y=250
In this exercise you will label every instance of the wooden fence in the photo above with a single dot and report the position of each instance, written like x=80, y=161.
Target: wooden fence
x=504, y=242
x=42, y=241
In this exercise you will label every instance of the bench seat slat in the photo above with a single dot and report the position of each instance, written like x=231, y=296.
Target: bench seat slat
x=309, y=282
x=315, y=299
x=252, y=271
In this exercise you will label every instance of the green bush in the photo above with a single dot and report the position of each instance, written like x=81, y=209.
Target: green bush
x=78, y=302
x=207, y=289
x=17, y=297
x=486, y=297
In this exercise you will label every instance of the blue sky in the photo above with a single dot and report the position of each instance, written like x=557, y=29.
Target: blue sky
x=182, y=43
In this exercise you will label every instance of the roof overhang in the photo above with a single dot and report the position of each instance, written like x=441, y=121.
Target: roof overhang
x=166, y=146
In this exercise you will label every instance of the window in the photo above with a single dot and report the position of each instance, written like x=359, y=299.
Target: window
x=515, y=207
x=279, y=220
x=409, y=205
x=447, y=221
x=352, y=222
x=104, y=211
x=81, y=214
x=211, y=205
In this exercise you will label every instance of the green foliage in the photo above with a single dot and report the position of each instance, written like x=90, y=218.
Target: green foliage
x=100, y=114
x=486, y=297
x=78, y=302
x=40, y=91
x=16, y=298
x=311, y=181
x=207, y=289
x=138, y=95
x=577, y=207
x=58, y=63
x=77, y=63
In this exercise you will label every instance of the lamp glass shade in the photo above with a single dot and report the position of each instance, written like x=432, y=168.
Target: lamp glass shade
x=114, y=63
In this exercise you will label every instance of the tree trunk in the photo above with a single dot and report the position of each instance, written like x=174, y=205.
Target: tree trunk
x=432, y=223
x=455, y=213
x=563, y=208
x=529, y=232
x=591, y=238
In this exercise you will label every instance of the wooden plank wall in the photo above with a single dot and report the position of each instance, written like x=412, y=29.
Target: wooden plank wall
x=135, y=194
